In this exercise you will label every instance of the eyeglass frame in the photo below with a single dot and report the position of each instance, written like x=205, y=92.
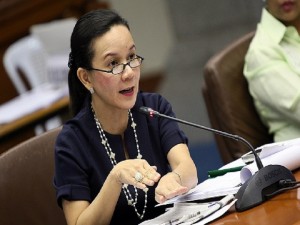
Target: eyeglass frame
x=123, y=64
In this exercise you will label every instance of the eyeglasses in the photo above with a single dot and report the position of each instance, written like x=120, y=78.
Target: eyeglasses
x=117, y=69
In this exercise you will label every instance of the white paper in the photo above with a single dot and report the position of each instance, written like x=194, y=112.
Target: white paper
x=285, y=153
x=235, y=163
x=29, y=102
x=288, y=157
x=212, y=187
x=181, y=209
x=176, y=212
x=270, y=149
x=216, y=215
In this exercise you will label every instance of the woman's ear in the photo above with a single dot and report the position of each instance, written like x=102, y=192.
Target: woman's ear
x=84, y=77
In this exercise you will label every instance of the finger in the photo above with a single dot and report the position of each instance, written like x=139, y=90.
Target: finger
x=140, y=185
x=169, y=192
x=154, y=167
x=141, y=181
x=160, y=198
x=175, y=192
x=148, y=181
x=151, y=174
x=144, y=178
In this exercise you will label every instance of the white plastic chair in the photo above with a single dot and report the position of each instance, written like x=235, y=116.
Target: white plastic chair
x=26, y=56
x=42, y=57
x=55, y=37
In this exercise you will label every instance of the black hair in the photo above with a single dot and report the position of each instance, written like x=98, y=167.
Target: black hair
x=89, y=27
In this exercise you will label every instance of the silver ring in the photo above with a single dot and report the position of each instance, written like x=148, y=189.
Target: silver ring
x=138, y=177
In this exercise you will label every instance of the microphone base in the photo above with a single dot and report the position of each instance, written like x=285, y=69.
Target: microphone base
x=264, y=182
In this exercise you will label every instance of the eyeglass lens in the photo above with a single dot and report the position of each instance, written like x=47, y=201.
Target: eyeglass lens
x=132, y=63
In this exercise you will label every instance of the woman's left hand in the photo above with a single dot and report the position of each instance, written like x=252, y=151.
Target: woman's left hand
x=168, y=187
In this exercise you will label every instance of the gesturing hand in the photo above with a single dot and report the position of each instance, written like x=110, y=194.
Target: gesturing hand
x=136, y=172
x=168, y=187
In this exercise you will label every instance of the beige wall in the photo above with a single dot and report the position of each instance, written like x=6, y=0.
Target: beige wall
x=151, y=28
x=181, y=36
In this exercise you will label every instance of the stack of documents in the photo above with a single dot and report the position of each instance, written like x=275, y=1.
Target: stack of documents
x=285, y=153
x=193, y=213
x=210, y=188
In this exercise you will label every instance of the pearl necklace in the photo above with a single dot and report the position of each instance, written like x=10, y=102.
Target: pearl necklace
x=130, y=200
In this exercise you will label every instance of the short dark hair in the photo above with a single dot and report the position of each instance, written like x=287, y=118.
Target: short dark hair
x=88, y=27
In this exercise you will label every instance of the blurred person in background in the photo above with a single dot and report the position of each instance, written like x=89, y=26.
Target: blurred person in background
x=272, y=68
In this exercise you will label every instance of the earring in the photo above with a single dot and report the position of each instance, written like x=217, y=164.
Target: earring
x=91, y=89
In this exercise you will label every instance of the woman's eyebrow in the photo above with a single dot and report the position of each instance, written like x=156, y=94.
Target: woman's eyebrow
x=110, y=54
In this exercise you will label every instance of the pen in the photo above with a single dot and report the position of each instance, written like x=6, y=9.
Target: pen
x=183, y=218
x=171, y=222
x=213, y=208
x=215, y=173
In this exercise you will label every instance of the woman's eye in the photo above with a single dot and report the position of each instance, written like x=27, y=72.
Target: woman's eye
x=132, y=56
x=113, y=63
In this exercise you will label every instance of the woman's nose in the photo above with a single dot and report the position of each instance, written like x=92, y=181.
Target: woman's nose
x=127, y=73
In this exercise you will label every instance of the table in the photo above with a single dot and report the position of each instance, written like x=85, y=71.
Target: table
x=22, y=129
x=283, y=209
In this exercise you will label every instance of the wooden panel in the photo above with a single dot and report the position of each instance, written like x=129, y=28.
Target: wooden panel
x=22, y=129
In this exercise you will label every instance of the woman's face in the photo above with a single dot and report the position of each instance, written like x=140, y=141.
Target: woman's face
x=114, y=91
x=287, y=11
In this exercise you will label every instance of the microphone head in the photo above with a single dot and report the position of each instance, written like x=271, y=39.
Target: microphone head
x=148, y=111
x=145, y=110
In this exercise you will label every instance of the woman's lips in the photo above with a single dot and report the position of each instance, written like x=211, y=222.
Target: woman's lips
x=287, y=6
x=128, y=91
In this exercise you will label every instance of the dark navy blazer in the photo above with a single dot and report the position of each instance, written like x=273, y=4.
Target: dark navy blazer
x=82, y=164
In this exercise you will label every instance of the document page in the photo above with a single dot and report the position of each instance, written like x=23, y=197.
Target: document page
x=210, y=188
x=192, y=213
x=29, y=102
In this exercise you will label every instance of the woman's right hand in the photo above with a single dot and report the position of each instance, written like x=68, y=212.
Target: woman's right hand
x=128, y=172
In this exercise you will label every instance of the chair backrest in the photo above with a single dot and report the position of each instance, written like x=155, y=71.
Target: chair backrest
x=26, y=58
x=27, y=194
x=55, y=35
x=229, y=104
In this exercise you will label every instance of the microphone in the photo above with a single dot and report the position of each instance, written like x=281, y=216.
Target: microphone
x=266, y=182
x=150, y=112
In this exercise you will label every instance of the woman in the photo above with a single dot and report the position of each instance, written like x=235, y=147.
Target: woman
x=272, y=68
x=111, y=161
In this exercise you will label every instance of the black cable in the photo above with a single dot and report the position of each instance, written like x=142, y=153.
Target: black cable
x=285, y=183
x=288, y=185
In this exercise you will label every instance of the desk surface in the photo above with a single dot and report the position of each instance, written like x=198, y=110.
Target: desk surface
x=6, y=129
x=22, y=129
x=283, y=209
